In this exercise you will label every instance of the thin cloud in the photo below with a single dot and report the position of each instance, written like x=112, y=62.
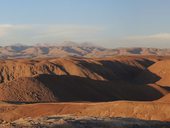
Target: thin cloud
x=154, y=37
x=43, y=33
x=4, y=29
x=159, y=40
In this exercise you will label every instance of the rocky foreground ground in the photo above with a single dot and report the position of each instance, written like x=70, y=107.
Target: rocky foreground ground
x=67, y=121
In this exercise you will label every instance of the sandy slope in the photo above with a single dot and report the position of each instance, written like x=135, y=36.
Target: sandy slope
x=141, y=110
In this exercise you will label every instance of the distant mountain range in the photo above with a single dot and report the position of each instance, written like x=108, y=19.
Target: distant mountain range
x=73, y=49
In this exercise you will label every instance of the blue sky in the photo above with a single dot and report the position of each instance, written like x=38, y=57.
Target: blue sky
x=110, y=23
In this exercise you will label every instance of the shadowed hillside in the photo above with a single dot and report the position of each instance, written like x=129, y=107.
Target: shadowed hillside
x=51, y=88
x=124, y=68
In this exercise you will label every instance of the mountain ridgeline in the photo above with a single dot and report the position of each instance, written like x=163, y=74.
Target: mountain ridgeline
x=80, y=50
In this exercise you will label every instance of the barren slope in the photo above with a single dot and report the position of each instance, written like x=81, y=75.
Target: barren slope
x=165, y=99
x=162, y=69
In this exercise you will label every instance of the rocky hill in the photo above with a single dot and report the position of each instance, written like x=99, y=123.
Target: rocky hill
x=73, y=79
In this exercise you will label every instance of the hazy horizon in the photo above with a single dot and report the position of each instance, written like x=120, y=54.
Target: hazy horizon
x=107, y=23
